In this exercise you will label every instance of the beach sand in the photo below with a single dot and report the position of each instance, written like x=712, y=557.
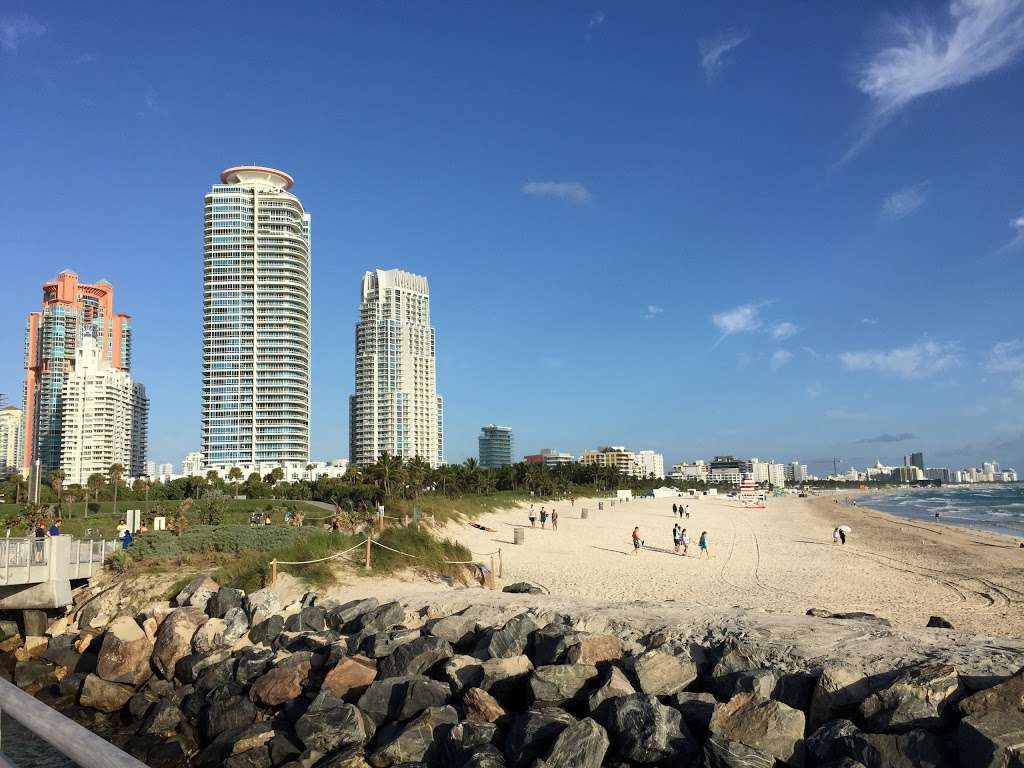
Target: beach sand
x=779, y=559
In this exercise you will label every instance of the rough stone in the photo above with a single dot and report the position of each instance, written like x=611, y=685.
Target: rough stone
x=104, y=695
x=696, y=709
x=350, y=677
x=523, y=588
x=720, y=752
x=379, y=643
x=661, y=674
x=125, y=653
x=560, y=683
x=533, y=733
x=1008, y=695
x=210, y=637
x=61, y=651
x=261, y=605
x=162, y=720
x=226, y=715
x=481, y=706
x=235, y=625
x=507, y=679
x=822, y=746
x=32, y=675
x=174, y=639
x=994, y=739
x=382, y=618
x=329, y=724
x=280, y=684
x=513, y=638
x=615, y=684
x=919, y=698
x=644, y=730
x=461, y=629
x=580, y=745
x=215, y=676
x=463, y=672
x=550, y=643
x=266, y=631
x=734, y=661
x=197, y=593
x=839, y=691
x=252, y=662
x=309, y=619
x=346, y=613
x=399, y=698
x=223, y=600
x=937, y=622
x=35, y=623
x=769, y=726
x=760, y=682
x=190, y=667
x=594, y=650
x=416, y=742
x=414, y=658
x=915, y=749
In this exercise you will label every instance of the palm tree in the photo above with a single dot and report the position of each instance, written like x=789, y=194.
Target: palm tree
x=417, y=471
x=235, y=475
x=57, y=483
x=277, y=474
x=114, y=473
x=387, y=471
x=94, y=484
x=212, y=477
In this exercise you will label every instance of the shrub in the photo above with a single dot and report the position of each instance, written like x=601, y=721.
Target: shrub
x=199, y=539
x=121, y=561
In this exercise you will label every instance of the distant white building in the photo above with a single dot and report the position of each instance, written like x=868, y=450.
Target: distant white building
x=698, y=470
x=552, y=458
x=768, y=472
x=11, y=440
x=651, y=464
x=192, y=466
x=104, y=418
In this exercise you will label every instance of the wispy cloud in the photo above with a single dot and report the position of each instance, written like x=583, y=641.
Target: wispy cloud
x=780, y=357
x=594, y=22
x=741, y=319
x=869, y=321
x=573, y=191
x=784, y=330
x=1007, y=357
x=15, y=30
x=906, y=201
x=714, y=50
x=653, y=310
x=980, y=37
x=925, y=358
x=1017, y=225
x=845, y=414
x=887, y=437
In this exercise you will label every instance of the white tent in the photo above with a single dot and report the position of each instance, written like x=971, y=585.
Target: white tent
x=665, y=491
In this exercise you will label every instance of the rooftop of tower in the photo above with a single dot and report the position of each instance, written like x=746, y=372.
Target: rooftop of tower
x=241, y=173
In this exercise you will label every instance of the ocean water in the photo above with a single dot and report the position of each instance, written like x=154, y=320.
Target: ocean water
x=997, y=507
x=26, y=750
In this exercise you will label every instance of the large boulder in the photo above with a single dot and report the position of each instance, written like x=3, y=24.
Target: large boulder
x=921, y=697
x=560, y=683
x=614, y=684
x=197, y=593
x=697, y=709
x=329, y=723
x=377, y=643
x=992, y=739
x=1008, y=695
x=309, y=619
x=261, y=605
x=414, y=658
x=662, y=674
x=265, y=632
x=550, y=643
x=174, y=639
x=350, y=677
x=419, y=741
x=223, y=600
x=252, y=662
x=769, y=726
x=513, y=638
x=340, y=617
x=104, y=695
x=399, y=698
x=210, y=637
x=32, y=675
x=162, y=720
x=381, y=618
x=506, y=678
x=580, y=745
x=235, y=625
x=125, y=653
x=227, y=714
x=914, y=749
x=720, y=752
x=824, y=745
x=461, y=629
x=643, y=730
x=481, y=707
x=533, y=733
x=281, y=684
x=839, y=691
x=594, y=649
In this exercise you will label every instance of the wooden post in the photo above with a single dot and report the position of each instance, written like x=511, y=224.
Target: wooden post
x=493, y=572
x=273, y=572
x=501, y=565
x=367, y=553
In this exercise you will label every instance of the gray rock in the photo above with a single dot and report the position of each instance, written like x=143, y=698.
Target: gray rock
x=190, y=667
x=550, y=643
x=561, y=683
x=507, y=679
x=8, y=629
x=235, y=625
x=266, y=632
x=32, y=675
x=223, y=600
x=252, y=662
x=463, y=672
x=696, y=709
x=644, y=730
x=767, y=725
x=226, y=714
x=162, y=720
x=839, y=691
x=937, y=622
x=71, y=685
x=105, y=696
x=414, y=658
x=533, y=733
x=419, y=741
x=523, y=588
x=174, y=639
x=822, y=745
x=376, y=644
x=216, y=676
x=920, y=697
x=35, y=623
x=461, y=629
x=283, y=749
x=399, y=698
x=261, y=605
x=329, y=724
x=382, y=617
x=795, y=689
x=62, y=652
x=580, y=745
x=734, y=661
x=614, y=684
x=346, y=613
x=661, y=674
x=915, y=749
x=197, y=593
x=209, y=637
x=994, y=739
x=1008, y=694
x=309, y=619
x=760, y=682
x=720, y=752
x=513, y=638
x=258, y=757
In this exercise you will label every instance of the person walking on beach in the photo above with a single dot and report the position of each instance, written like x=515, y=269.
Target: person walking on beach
x=675, y=538
x=554, y=519
x=543, y=517
x=842, y=535
x=936, y=516
x=533, y=517
x=835, y=536
x=637, y=542
x=686, y=511
x=674, y=510
x=703, y=544
x=684, y=539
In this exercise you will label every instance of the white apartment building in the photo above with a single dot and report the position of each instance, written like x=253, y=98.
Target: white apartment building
x=395, y=407
x=651, y=464
x=768, y=472
x=256, y=320
x=698, y=470
x=193, y=465
x=104, y=418
x=552, y=458
x=11, y=440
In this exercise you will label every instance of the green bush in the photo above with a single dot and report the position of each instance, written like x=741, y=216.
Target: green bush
x=120, y=561
x=215, y=538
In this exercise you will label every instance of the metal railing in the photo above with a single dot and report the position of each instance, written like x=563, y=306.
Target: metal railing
x=78, y=744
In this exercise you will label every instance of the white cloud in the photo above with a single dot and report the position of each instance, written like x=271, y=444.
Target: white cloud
x=1007, y=357
x=572, y=191
x=653, y=310
x=740, y=319
x=780, y=357
x=926, y=358
x=1017, y=225
x=980, y=37
x=15, y=30
x=904, y=202
x=713, y=50
x=869, y=321
x=784, y=330
x=596, y=20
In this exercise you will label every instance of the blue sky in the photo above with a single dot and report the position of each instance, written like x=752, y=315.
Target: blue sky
x=769, y=231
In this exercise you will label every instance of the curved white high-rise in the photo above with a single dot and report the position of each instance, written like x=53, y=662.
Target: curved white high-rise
x=256, y=321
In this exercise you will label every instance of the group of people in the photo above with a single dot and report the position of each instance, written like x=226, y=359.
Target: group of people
x=532, y=515
x=839, y=535
x=681, y=510
x=680, y=538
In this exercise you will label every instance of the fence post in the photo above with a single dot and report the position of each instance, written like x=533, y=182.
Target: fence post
x=501, y=565
x=367, y=552
x=493, y=573
x=273, y=572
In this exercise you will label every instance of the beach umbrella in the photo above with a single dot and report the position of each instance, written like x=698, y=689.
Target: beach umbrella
x=845, y=529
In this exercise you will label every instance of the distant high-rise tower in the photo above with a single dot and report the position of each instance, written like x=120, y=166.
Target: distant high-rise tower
x=917, y=460
x=395, y=408
x=11, y=442
x=71, y=312
x=256, y=321
x=495, y=446
x=105, y=418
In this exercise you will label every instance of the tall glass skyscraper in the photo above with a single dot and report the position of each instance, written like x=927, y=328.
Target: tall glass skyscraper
x=495, y=446
x=395, y=408
x=72, y=311
x=256, y=321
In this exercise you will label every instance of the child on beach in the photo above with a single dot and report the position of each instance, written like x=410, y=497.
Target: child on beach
x=637, y=543
x=703, y=544
x=684, y=539
x=543, y=517
x=533, y=517
x=554, y=519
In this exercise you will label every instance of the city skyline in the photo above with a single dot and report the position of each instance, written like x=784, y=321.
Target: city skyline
x=708, y=224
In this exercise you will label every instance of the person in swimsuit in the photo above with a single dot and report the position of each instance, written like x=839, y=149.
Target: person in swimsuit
x=637, y=542
x=703, y=544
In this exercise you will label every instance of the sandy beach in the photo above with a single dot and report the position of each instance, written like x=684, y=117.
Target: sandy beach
x=779, y=559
